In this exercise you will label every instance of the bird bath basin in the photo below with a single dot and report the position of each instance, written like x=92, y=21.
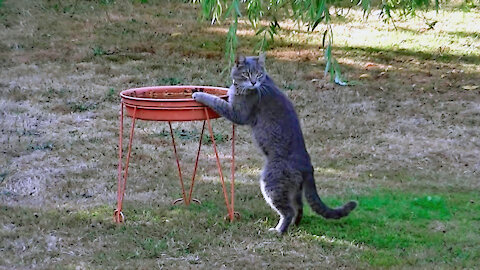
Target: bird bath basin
x=169, y=103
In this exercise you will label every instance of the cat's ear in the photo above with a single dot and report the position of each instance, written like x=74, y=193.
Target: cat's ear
x=239, y=60
x=261, y=59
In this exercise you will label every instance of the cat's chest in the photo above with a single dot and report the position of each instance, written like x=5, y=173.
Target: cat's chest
x=262, y=140
x=266, y=128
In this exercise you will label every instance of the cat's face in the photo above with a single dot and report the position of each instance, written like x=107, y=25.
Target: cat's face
x=249, y=72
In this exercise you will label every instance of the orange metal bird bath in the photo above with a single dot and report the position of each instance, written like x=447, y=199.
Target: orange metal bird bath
x=170, y=104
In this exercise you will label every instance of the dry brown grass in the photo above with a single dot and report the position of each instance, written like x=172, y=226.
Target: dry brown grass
x=407, y=125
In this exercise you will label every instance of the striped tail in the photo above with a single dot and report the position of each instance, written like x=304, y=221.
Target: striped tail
x=319, y=206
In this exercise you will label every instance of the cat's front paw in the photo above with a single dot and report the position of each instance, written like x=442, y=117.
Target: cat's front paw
x=200, y=97
x=274, y=230
x=196, y=95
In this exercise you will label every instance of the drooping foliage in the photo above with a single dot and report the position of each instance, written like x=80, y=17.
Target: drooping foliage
x=306, y=12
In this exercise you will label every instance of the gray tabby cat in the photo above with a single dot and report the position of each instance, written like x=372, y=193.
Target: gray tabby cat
x=254, y=100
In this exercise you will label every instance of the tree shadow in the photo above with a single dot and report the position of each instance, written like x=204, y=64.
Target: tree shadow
x=392, y=54
x=458, y=34
x=200, y=41
x=465, y=34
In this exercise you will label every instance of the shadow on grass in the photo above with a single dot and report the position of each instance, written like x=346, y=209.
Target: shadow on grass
x=144, y=39
x=464, y=34
x=195, y=47
x=460, y=34
x=391, y=54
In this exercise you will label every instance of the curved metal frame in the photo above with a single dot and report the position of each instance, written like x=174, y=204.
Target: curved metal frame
x=186, y=198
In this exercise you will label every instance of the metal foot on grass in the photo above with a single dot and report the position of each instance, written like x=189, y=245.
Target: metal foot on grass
x=180, y=200
x=118, y=216
x=236, y=216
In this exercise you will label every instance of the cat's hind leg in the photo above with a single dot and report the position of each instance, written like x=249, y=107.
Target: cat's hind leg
x=298, y=207
x=286, y=213
x=286, y=216
x=278, y=190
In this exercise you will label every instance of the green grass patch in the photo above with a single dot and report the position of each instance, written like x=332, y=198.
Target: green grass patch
x=389, y=229
x=3, y=175
x=169, y=81
x=399, y=228
x=44, y=146
x=111, y=95
x=81, y=106
x=98, y=51
x=189, y=135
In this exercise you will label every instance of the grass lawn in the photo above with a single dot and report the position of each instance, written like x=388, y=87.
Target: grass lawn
x=404, y=141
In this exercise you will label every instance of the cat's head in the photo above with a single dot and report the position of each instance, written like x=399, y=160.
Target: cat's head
x=249, y=72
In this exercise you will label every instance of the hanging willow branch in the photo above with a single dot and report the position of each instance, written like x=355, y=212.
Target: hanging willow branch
x=307, y=12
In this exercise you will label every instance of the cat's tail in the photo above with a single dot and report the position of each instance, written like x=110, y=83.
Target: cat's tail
x=319, y=206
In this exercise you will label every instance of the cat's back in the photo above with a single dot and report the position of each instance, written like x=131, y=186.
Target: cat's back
x=278, y=132
x=276, y=119
x=277, y=107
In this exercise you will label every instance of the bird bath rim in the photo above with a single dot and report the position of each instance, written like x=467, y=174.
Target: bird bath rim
x=169, y=103
x=174, y=89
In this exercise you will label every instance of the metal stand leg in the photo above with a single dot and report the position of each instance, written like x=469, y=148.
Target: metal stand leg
x=186, y=198
x=122, y=181
x=236, y=215
x=231, y=213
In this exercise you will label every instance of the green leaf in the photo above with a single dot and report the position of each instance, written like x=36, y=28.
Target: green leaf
x=324, y=37
x=263, y=28
x=232, y=42
x=237, y=9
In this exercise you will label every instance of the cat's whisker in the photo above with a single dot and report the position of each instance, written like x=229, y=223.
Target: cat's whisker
x=262, y=92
